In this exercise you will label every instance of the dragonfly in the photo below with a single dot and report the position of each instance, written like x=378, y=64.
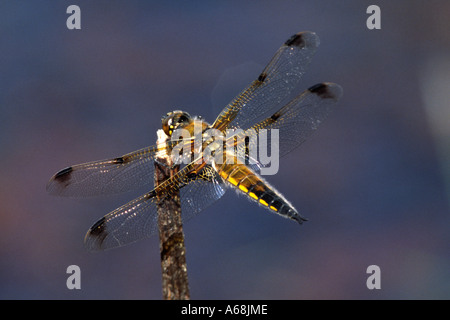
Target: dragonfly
x=273, y=101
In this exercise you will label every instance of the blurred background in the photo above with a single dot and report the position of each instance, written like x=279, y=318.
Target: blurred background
x=373, y=181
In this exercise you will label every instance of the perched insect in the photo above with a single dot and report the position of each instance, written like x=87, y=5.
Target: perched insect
x=263, y=105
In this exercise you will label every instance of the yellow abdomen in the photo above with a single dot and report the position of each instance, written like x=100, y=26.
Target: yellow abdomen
x=254, y=186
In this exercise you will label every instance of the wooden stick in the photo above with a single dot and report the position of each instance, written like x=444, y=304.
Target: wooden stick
x=173, y=252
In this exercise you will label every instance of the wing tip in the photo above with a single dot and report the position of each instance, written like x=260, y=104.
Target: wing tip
x=327, y=90
x=96, y=235
x=303, y=39
x=59, y=181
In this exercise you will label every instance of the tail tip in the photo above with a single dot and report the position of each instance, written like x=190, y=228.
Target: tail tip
x=300, y=219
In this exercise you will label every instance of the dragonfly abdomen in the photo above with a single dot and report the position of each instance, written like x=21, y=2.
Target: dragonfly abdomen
x=259, y=190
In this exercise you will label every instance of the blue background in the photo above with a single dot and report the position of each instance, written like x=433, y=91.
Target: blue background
x=372, y=180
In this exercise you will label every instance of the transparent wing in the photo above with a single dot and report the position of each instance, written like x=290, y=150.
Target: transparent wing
x=277, y=82
x=126, y=173
x=138, y=219
x=298, y=119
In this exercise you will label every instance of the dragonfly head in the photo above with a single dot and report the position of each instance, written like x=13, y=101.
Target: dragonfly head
x=175, y=120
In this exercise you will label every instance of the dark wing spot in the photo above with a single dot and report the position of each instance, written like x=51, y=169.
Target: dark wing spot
x=262, y=77
x=295, y=40
x=64, y=175
x=303, y=40
x=150, y=195
x=120, y=160
x=275, y=116
x=98, y=227
x=323, y=90
x=98, y=232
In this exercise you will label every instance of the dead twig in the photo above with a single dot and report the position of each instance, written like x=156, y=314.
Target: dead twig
x=173, y=252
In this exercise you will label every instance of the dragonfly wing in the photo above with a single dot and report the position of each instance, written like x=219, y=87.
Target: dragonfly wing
x=201, y=192
x=129, y=223
x=126, y=173
x=277, y=82
x=138, y=219
x=298, y=119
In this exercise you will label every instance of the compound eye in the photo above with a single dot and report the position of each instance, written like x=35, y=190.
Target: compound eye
x=183, y=118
